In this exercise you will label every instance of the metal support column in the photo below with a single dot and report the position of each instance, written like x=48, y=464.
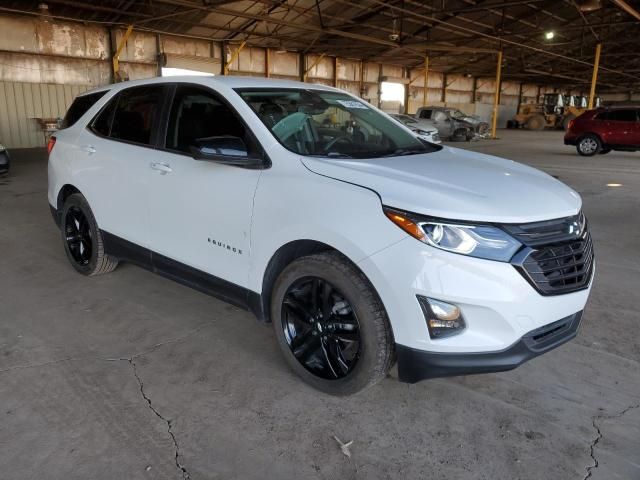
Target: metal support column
x=117, y=76
x=594, y=76
x=496, y=97
x=425, y=89
x=267, y=62
x=234, y=55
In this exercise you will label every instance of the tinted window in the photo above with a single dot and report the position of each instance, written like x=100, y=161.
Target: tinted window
x=80, y=106
x=102, y=123
x=425, y=114
x=622, y=115
x=198, y=113
x=136, y=110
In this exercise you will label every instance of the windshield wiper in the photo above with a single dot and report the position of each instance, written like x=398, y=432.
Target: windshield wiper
x=338, y=155
x=404, y=151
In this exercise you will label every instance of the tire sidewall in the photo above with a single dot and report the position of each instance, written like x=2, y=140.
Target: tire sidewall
x=360, y=376
x=78, y=201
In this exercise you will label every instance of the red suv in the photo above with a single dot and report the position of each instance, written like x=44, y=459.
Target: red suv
x=605, y=129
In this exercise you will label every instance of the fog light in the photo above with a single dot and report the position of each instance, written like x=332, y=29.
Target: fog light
x=443, y=319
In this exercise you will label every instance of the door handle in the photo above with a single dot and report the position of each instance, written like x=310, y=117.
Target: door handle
x=163, y=168
x=89, y=149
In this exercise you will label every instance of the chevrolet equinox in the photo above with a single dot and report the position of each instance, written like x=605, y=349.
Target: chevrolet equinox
x=362, y=244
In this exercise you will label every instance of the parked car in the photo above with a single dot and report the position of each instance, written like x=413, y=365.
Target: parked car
x=361, y=245
x=452, y=124
x=422, y=128
x=605, y=129
x=5, y=160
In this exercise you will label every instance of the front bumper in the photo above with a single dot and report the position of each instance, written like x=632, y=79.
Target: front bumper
x=415, y=365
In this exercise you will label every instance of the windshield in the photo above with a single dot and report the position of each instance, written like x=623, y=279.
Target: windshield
x=330, y=124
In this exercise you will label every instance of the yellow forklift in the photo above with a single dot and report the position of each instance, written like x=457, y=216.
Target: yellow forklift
x=555, y=111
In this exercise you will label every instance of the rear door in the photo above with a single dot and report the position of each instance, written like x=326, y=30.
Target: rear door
x=622, y=126
x=117, y=148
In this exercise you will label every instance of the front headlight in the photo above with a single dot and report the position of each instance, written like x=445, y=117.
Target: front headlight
x=2, y=149
x=482, y=241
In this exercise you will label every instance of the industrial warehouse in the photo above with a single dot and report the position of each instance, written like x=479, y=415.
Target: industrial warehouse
x=287, y=239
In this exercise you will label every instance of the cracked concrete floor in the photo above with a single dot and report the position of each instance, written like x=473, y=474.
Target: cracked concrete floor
x=132, y=376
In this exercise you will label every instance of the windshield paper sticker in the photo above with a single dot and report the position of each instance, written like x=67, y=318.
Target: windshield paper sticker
x=352, y=104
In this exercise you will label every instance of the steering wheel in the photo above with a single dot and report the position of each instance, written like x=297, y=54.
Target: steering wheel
x=328, y=146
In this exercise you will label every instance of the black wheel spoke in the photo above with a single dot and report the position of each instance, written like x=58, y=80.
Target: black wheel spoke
x=302, y=339
x=78, y=235
x=297, y=310
x=334, y=347
x=307, y=349
x=326, y=299
x=347, y=337
x=329, y=358
x=321, y=328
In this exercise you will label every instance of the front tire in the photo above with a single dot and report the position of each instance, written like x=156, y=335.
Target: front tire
x=82, y=239
x=589, y=145
x=330, y=324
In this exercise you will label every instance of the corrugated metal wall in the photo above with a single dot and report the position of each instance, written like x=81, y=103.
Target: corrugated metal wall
x=20, y=105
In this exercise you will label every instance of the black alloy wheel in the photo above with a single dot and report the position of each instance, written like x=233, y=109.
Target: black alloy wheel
x=77, y=232
x=321, y=328
x=82, y=239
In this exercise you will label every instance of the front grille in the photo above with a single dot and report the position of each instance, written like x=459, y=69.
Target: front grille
x=558, y=257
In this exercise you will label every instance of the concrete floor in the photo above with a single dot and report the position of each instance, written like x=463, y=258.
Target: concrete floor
x=131, y=376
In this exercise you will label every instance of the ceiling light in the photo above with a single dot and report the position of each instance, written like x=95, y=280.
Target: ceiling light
x=614, y=184
x=549, y=35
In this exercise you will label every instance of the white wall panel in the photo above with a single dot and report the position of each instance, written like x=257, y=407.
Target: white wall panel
x=23, y=102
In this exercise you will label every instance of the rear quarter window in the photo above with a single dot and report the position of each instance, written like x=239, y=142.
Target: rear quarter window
x=80, y=106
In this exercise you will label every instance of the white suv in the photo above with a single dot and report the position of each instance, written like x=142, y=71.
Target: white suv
x=362, y=244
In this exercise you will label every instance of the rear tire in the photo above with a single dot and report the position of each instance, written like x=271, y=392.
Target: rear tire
x=82, y=239
x=588, y=145
x=536, y=122
x=331, y=325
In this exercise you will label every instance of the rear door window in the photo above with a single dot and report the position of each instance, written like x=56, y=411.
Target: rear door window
x=136, y=113
x=622, y=115
x=80, y=106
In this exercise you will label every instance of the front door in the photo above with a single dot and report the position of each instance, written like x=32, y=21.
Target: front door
x=200, y=210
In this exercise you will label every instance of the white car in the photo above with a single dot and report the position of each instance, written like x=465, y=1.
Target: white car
x=421, y=128
x=363, y=245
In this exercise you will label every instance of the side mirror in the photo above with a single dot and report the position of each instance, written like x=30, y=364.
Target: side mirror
x=59, y=123
x=225, y=149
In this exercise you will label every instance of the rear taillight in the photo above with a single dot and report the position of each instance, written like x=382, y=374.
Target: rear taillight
x=50, y=144
x=571, y=124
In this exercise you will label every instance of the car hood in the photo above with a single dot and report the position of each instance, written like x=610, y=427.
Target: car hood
x=457, y=184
